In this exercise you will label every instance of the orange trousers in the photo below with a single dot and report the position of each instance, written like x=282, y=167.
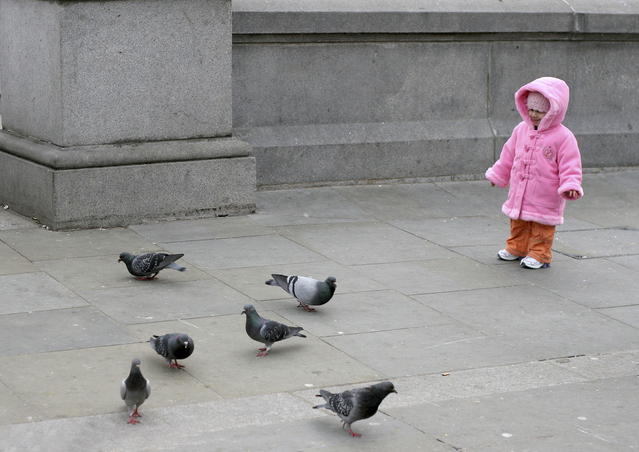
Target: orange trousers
x=528, y=238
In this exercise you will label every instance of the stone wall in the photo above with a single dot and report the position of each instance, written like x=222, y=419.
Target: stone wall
x=362, y=90
x=116, y=112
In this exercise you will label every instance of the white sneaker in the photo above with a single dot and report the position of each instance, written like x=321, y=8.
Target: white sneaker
x=507, y=256
x=531, y=262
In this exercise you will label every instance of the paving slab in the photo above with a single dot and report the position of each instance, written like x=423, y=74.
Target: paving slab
x=573, y=224
x=608, y=200
x=610, y=217
x=600, y=366
x=105, y=272
x=227, y=364
x=251, y=280
x=60, y=329
x=498, y=420
x=631, y=262
x=581, y=440
x=442, y=275
x=479, y=194
x=200, y=229
x=487, y=254
x=594, y=283
x=364, y=243
x=408, y=201
x=12, y=220
x=86, y=382
x=244, y=252
x=360, y=312
x=261, y=423
x=379, y=434
x=459, y=231
x=13, y=410
x=535, y=322
x=306, y=206
x=150, y=301
x=628, y=315
x=424, y=350
x=37, y=244
x=592, y=243
x=432, y=388
x=28, y=292
x=12, y=262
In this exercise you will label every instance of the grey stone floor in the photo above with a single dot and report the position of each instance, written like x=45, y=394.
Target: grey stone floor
x=485, y=356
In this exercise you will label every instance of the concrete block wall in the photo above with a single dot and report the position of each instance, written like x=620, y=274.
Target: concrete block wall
x=349, y=91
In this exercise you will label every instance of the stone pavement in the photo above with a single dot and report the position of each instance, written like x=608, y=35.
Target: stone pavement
x=485, y=355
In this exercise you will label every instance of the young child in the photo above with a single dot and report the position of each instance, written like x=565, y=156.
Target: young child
x=542, y=164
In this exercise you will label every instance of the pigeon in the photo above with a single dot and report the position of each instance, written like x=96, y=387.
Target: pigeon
x=147, y=266
x=307, y=291
x=356, y=404
x=134, y=390
x=173, y=346
x=267, y=331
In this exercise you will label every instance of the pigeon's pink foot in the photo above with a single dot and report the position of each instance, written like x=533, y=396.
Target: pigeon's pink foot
x=136, y=414
x=264, y=352
x=305, y=307
x=133, y=421
x=175, y=365
x=356, y=435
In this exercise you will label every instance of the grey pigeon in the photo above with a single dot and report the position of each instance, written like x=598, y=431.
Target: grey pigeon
x=134, y=390
x=307, y=291
x=147, y=266
x=173, y=346
x=356, y=404
x=267, y=331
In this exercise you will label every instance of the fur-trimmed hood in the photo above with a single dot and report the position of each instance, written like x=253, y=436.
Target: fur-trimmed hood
x=553, y=89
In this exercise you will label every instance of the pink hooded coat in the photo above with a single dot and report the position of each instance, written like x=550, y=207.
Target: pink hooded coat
x=540, y=165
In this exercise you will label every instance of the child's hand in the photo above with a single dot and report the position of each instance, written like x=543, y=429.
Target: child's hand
x=572, y=194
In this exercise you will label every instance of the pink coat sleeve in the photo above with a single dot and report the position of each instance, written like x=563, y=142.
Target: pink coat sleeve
x=499, y=173
x=569, y=163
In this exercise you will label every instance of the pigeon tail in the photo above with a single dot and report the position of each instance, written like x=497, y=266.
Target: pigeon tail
x=296, y=332
x=177, y=267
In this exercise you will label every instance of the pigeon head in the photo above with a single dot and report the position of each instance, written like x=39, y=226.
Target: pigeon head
x=331, y=280
x=248, y=309
x=125, y=257
x=183, y=340
x=385, y=387
x=135, y=367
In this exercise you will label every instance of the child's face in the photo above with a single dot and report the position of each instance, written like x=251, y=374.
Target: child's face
x=536, y=116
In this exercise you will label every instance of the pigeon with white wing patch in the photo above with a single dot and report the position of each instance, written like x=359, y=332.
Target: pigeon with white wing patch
x=307, y=291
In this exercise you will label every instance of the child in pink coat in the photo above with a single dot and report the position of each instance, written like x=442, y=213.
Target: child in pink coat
x=542, y=164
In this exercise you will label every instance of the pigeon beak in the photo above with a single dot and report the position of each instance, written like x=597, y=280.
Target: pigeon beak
x=119, y=260
x=243, y=312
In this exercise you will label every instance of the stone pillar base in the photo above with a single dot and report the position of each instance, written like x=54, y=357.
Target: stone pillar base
x=118, y=185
